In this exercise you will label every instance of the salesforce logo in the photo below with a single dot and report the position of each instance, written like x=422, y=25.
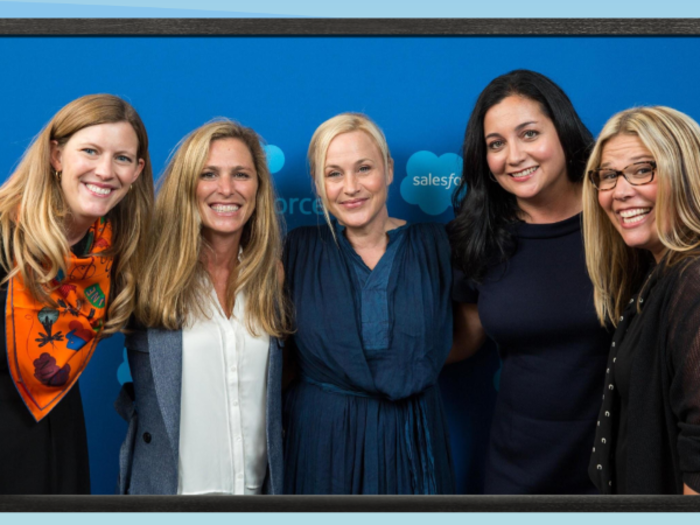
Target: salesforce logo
x=123, y=372
x=431, y=180
x=293, y=205
x=275, y=157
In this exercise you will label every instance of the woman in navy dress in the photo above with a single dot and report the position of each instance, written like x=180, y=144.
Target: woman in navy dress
x=374, y=326
x=517, y=239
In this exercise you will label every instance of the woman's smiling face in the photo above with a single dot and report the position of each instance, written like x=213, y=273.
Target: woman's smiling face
x=523, y=150
x=98, y=164
x=357, y=182
x=631, y=207
x=227, y=189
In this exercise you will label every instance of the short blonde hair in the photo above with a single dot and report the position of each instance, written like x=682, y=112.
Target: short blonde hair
x=324, y=135
x=33, y=209
x=673, y=139
x=172, y=291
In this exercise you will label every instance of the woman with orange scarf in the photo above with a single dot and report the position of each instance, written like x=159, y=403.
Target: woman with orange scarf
x=72, y=222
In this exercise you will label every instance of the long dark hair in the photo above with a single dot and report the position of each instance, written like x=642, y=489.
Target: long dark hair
x=480, y=233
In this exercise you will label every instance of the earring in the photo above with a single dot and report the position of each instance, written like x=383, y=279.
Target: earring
x=492, y=177
x=131, y=187
x=58, y=175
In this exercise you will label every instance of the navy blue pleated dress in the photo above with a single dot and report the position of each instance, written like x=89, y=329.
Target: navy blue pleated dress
x=364, y=415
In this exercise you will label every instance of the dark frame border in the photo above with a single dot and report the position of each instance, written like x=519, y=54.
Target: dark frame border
x=349, y=504
x=348, y=27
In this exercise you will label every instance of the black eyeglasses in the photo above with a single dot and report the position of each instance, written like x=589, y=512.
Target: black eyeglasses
x=636, y=174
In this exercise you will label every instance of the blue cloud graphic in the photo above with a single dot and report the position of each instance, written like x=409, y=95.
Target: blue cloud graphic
x=123, y=372
x=431, y=180
x=275, y=157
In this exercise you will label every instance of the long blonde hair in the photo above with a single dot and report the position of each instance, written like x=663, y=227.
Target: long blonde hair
x=33, y=210
x=616, y=270
x=173, y=290
x=324, y=135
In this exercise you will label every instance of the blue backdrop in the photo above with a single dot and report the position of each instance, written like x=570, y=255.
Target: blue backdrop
x=419, y=89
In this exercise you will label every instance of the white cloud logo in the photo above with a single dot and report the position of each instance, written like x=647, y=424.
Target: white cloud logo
x=430, y=180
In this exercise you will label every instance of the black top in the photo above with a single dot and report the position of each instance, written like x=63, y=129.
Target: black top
x=648, y=438
x=45, y=457
x=538, y=308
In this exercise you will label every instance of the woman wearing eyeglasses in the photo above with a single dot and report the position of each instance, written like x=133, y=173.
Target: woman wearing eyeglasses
x=517, y=238
x=642, y=237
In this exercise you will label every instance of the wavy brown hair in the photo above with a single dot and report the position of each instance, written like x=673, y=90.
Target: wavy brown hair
x=34, y=213
x=174, y=287
x=617, y=270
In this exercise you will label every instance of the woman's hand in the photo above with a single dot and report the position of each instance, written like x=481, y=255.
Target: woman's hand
x=687, y=491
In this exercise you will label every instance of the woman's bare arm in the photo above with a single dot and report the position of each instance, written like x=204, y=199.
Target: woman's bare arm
x=468, y=335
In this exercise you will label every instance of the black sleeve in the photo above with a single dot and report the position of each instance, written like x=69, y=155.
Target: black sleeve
x=683, y=358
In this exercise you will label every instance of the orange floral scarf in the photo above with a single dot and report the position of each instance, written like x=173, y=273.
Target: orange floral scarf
x=48, y=348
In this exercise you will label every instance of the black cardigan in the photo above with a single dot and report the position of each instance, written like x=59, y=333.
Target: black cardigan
x=663, y=415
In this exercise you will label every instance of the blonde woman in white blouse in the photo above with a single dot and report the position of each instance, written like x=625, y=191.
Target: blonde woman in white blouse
x=204, y=411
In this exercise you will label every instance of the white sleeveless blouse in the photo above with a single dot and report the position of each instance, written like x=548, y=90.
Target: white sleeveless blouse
x=223, y=447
